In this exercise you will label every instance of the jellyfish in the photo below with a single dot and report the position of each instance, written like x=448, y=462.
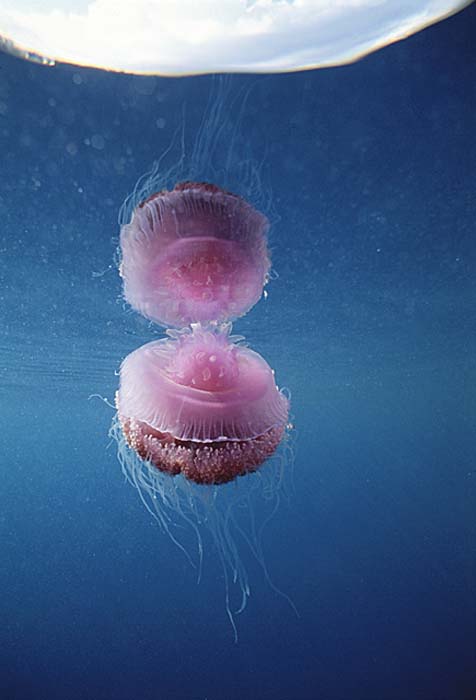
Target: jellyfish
x=198, y=414
x=203, y=431
x=195, y=411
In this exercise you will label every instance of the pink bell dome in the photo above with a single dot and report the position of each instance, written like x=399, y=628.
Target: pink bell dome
x=194, y=254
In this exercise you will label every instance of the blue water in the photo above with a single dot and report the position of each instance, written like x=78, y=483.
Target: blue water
x=370, y=322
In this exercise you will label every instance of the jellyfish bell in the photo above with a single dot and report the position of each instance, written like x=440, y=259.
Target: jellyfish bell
x=194, y=254
x=200, y=404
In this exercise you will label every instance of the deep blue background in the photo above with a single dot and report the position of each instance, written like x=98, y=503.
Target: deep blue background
x=371, y=323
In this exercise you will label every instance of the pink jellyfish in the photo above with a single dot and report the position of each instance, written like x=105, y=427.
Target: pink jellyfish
x=195, y=254
x=197, y=409
x=199, y=404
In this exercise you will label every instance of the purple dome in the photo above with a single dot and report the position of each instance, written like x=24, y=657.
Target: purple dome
x=195, y=254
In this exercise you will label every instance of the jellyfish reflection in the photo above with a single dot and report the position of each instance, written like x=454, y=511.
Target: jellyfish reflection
x=197, y=253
